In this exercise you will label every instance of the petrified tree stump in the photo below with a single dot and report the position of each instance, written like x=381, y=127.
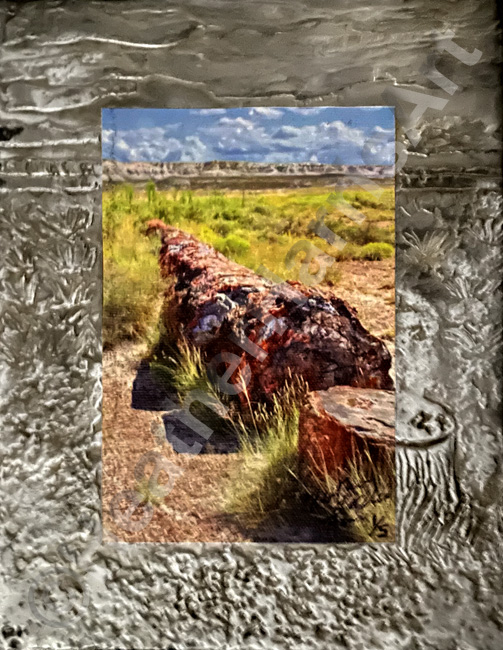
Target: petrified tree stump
x=260, y=332
x=340, y=424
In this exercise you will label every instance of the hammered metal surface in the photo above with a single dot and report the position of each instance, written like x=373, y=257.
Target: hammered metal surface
x=439, y=586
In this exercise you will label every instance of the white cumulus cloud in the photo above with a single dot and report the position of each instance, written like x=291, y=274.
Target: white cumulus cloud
x=265, y=111
x=256, y=134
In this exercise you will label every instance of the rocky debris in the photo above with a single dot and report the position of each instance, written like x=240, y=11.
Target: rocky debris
x=255, y=332
x=338, y=424
x=141, y=172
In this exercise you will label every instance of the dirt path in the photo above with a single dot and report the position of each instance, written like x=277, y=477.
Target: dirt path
x=193, y=511
x=370, y=288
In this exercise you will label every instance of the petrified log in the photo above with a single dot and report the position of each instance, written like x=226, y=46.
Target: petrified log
x=269, y=330
x=340, y=424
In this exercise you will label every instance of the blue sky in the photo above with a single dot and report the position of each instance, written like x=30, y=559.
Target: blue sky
x=343, y=136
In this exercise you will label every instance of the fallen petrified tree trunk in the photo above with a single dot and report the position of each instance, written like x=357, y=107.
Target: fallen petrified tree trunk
x=259, y=332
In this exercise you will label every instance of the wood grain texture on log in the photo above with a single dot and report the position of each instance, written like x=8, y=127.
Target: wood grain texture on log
x=274, y=329
x=338, y=424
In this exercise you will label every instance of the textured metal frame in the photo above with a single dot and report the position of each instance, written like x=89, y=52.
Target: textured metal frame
x=438, y=586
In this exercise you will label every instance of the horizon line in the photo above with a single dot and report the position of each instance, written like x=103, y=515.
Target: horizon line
x=247, y=162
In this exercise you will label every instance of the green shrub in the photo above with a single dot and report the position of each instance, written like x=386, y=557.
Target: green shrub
x=130, y=300
x=366, y=200
x=360, y=234
x=223, y=227
x=232, y=245
x=186, y=197
x=385, y=200
x=230, y=215
x=162, y=210
x=129, y=194
x=349, y=252
x=151, y=191
x=333, y=275
x=193, y=212
x=372, y=233
x=376, y=251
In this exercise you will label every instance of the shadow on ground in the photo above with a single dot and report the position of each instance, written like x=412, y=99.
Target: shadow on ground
x=202, y=431
x=148, y=393
x=296, y=526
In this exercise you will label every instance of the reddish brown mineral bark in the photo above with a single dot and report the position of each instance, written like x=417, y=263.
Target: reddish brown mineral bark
x=338, y=424
x=272, y=329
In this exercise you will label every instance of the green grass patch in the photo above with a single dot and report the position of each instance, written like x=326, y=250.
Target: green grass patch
x=132, y=285
x=376, y=251
x=363, y=498
x=232, y=246
x=258, y=228
x=268, y=439
x=181, y=368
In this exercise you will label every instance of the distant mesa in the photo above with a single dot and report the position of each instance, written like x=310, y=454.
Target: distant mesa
x=229, y=173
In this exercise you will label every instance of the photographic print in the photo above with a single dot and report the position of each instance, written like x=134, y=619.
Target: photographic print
x=249, y=324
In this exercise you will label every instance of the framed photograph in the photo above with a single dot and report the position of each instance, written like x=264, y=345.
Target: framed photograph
x=250, y=333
